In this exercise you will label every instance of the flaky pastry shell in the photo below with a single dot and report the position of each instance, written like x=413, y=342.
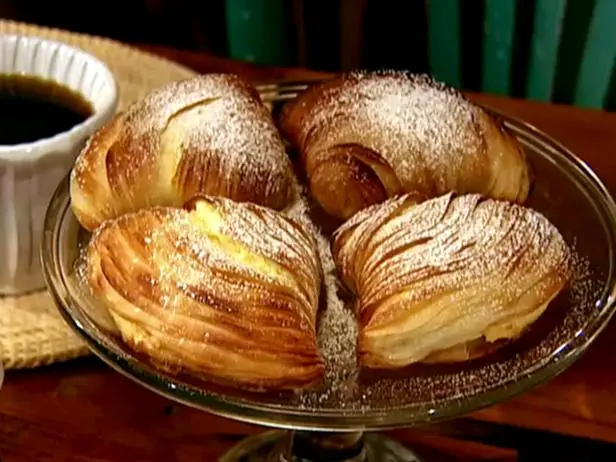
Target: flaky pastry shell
x=209, y=135
x=367, y=136
x=224, y=290
x=436, y=279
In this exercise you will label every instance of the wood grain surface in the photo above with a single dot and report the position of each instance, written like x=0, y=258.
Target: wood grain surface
x=83, y=411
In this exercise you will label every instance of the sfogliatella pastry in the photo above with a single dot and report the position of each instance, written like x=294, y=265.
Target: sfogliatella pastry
x=224, y=290
x=207, y=135
x=442, y=280
x=365, y=137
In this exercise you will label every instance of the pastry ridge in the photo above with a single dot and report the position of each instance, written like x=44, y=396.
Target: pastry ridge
x=208, y=135
x=368, y=136
x=434, y=279
x=220, y=289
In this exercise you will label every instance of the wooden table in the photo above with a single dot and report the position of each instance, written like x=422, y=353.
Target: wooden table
x=84, y=411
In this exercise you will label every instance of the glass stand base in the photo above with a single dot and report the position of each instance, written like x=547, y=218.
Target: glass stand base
x=285, y=446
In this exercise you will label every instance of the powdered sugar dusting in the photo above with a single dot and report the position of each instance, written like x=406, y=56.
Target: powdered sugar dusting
x=231, y=288
x=207, y=135
x=491, y=260
x=337, y=330
x=428, y=131
x=345, y=393
x=230, y=121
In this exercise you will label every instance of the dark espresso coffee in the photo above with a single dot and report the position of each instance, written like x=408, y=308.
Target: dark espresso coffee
x=32, y=108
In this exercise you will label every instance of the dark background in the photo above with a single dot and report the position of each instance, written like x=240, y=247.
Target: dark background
x=392, y=33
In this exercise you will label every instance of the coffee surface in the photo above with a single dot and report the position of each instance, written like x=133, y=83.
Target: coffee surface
x=33, y=108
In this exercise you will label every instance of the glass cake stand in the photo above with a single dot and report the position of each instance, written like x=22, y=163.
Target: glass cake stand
x=336, y=422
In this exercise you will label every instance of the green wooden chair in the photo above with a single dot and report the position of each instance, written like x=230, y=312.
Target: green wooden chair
x=272, y=31
x=570, y=55
x=551, y=45
x=258, y=31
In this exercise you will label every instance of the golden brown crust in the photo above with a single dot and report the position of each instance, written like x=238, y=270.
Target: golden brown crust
x=206, y=135
x=437, y=280
x=224, y=290
x=363, y=136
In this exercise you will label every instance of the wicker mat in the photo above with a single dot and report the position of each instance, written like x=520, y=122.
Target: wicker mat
x=32, y=332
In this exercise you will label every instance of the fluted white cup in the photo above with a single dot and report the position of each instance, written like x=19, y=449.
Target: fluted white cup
x=30, y=172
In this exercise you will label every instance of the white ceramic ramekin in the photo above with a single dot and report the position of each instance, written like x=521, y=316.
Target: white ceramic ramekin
x=30, y=172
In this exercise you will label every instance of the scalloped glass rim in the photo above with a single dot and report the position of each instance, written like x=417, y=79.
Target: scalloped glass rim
x=281, y=416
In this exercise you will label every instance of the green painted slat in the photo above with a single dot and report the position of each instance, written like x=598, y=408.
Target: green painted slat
x=598, y=58
x=499, y=28
x=256, y=31
x=444, y=41
x=571, y=49
x=547, y=27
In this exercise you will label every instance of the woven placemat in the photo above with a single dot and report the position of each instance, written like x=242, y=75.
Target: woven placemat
x=32, y=332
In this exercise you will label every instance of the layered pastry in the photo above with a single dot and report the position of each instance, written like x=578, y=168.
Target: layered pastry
x=365, y=137
x=443, y=279
x=201, y=268
x=207, y=135
x=220, y=289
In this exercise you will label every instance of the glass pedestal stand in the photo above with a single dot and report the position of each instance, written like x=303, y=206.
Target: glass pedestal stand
x=565, y=190
x=289, y=446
